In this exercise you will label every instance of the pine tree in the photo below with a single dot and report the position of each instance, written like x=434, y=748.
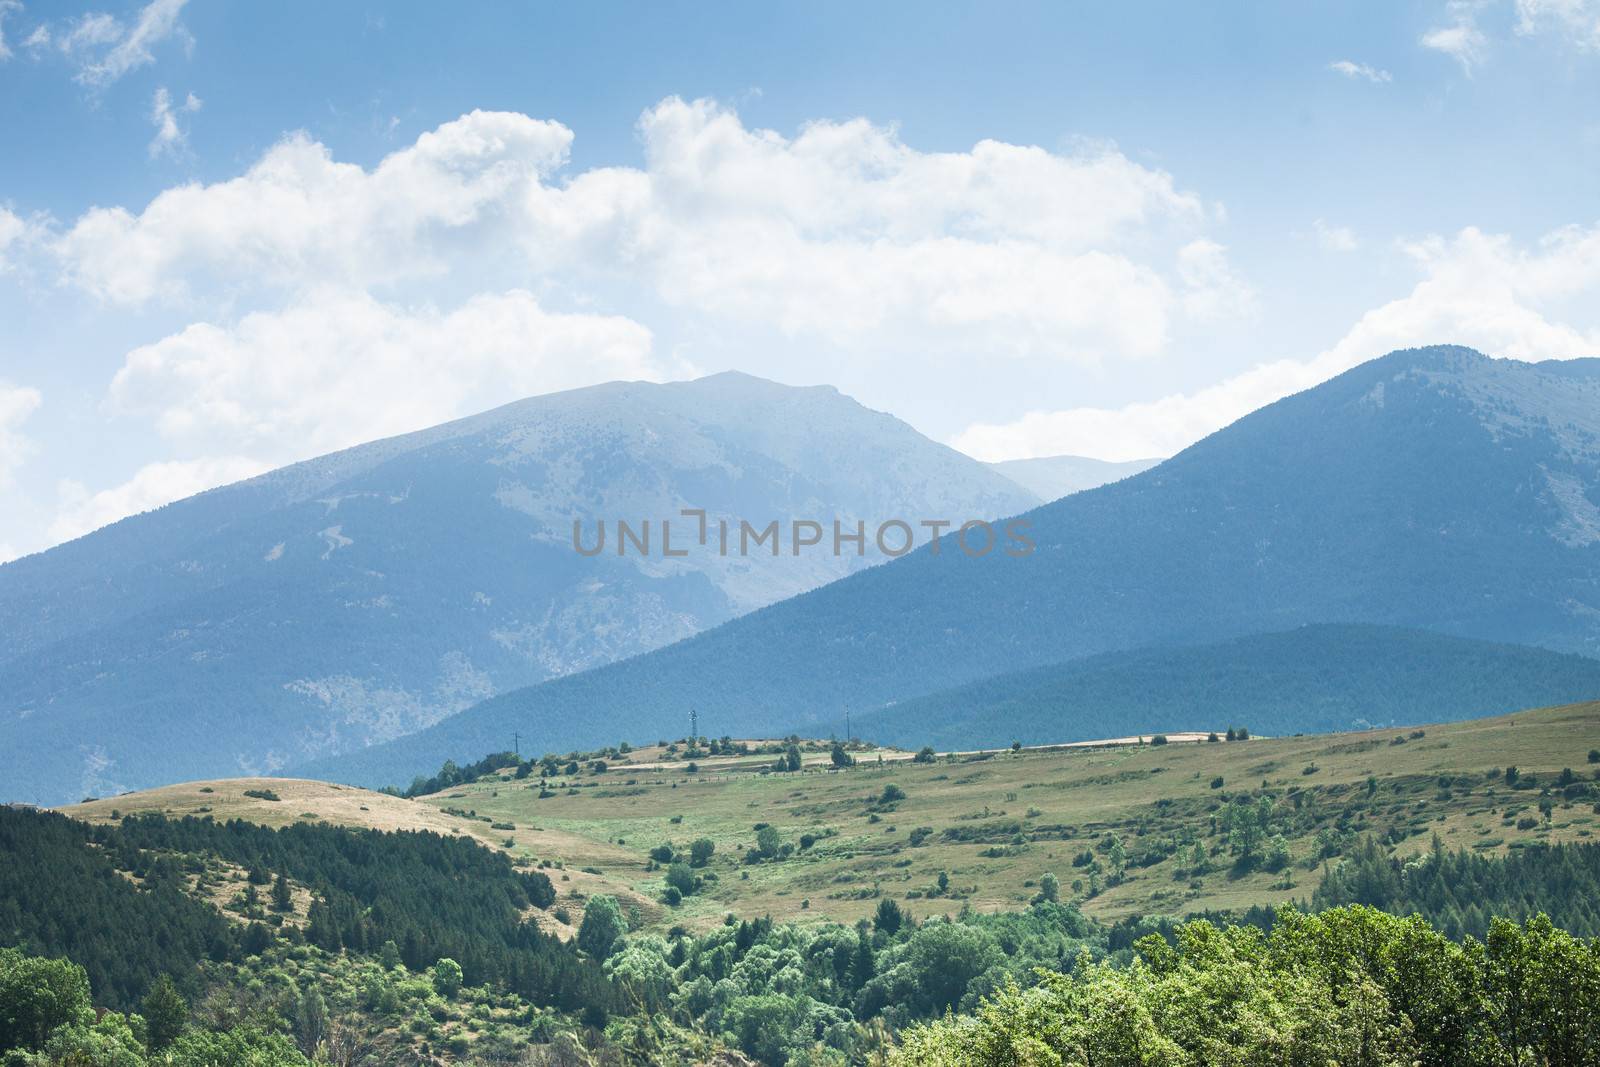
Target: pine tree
x=165, y=1014
x=282, y=898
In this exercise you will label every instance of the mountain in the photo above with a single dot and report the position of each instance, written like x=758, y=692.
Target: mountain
x=1053, y=477
x=1433, y=488
x=1324, y=678
x=354, y=598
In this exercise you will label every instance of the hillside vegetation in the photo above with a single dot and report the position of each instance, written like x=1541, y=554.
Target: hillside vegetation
x=1141, y=829
x=960, y=908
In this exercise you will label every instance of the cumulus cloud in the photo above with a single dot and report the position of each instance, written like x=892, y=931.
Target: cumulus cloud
x=306, y=274
x=1360, y=71
x=341, y=367
x=1477, y=289
x=82, y=511
x=1459, y=37
x=1578, y=21
x=16, y=404
x=299, y=217
x=841, y=232
x=171, y=138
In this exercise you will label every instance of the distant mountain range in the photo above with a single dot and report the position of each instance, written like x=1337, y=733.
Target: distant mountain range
x=361, y=596
x=1433, y=488
x=1314, y=679
x=1053, y=477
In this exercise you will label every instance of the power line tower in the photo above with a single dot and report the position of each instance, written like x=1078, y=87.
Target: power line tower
x=694, y=726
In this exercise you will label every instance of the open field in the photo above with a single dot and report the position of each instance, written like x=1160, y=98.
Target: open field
x=993, y=823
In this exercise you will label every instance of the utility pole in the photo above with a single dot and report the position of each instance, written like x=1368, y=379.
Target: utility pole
x=516, y=745
x=847, y=724
x=694, y=726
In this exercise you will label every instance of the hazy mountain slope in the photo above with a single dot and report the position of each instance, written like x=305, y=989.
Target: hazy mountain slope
x=1315, y=679
x=1432, y=488
x=360, y=596
x=1053, y=477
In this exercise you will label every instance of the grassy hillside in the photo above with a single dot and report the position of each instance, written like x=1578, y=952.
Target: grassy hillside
x=1314, y=679
x=993, y=823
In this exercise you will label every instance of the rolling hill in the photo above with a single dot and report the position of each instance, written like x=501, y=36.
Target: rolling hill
x=1433, y=488
x=357, y=597
x=994, y=821
x=1316, y=679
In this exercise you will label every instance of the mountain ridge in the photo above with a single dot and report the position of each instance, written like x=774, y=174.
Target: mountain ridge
x=1414, y=490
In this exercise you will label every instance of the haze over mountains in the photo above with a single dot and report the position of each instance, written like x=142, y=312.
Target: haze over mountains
x=357, y=597
x=1432, y=488
x=1053, y=477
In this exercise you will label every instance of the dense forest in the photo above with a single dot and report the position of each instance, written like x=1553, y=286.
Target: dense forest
x=233, y=944
x=1460, y=892
x=120, y=900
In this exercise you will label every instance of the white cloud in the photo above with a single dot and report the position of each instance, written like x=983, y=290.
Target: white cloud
x=842, y=232
x=1477, y=289
x=1460, y=38
x=16, y=404
x=1331, y=238
x=128, y=50
x=170, y=137
x=1576, y=20
x=89, y=32
x=1351, y=69
x=81, y=511
x=298, y=217
x=7, y=8
x=339, y=368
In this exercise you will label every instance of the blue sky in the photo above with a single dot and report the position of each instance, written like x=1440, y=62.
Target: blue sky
x=233, y=236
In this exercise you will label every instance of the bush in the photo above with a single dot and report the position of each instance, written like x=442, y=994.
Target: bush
x=681, y=878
